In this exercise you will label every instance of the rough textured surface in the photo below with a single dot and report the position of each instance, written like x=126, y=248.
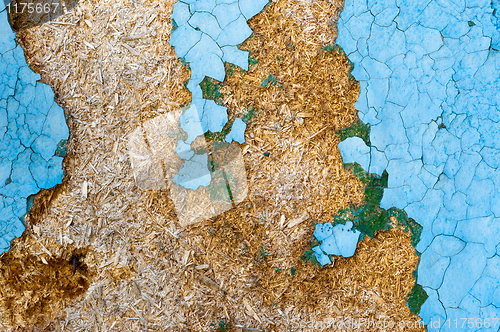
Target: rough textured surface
x=31, y=127
x=142, y=262
x=207, y=35
x=428, y=73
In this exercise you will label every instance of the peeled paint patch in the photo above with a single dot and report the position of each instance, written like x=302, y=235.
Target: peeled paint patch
x=354, y=149
x=321, y=257
x=323, y=231
x=429, y=78
x=237, y=132
x=215, y=116
x=191, y=124
x=207, y=35
x=340, y=240
x=195, y=172
x=32, y=125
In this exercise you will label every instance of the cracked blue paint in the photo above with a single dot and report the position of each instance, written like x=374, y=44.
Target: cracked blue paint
x=430, y=90
x=207, y=35
x=195, y=172
x=32, y=128
x=354, y=149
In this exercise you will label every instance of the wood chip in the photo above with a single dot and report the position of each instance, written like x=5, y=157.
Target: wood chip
x=250, y=310
x=208, y=282
x=202, y=267
x=85, y=186
x=294, y=222
x=305, y=115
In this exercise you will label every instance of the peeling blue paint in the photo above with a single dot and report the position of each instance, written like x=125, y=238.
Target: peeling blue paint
x=206, y=36
x=195, y=172
x=237, y=132
x=430, y=89
x=32, y=126
x=340, y=240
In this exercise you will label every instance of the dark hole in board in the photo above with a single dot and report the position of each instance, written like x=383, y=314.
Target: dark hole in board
x=32, y=289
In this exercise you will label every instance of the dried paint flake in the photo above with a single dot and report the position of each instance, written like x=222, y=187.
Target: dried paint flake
x=340, y=240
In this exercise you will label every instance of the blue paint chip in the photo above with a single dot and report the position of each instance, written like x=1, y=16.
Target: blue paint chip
x=354, y=149
x=340, y=240
x=250, y=8
x=323, y=231
x=183, y=150
x=184, y=38
x=205, y=22
x=226, y=13
x=215, y=116
x=181, y=13
x=321, y=257
x=236, y=56
x=191, y=122
x=205, y=46
x=235, y=32
x=237, y=132
x=194, y=173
